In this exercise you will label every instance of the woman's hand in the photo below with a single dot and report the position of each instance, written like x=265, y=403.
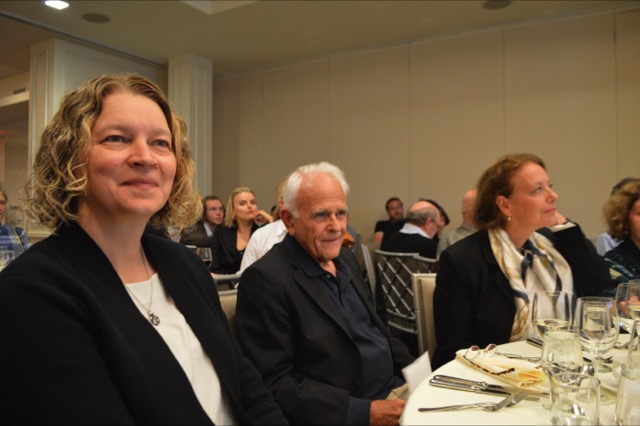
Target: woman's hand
x=560, y=219
x=262, y=217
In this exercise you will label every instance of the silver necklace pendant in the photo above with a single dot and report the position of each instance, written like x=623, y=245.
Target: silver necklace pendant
x=153, y=318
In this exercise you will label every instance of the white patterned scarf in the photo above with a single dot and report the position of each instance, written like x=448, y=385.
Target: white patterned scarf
x=540, y=268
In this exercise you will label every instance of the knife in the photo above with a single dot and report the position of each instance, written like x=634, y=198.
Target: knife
x=478, y=387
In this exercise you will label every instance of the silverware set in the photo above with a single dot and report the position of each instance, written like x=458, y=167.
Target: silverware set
x=512, y=395
x=509, y=401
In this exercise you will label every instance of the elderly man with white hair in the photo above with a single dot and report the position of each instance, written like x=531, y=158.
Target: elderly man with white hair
x=306, y=319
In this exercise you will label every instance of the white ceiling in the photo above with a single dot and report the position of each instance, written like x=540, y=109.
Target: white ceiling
x=239, y=36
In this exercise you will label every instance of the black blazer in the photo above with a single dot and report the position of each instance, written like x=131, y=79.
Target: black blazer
x=226, y=258
x=289, y=327
x=76, y=349
x=473, y=301
x=411, y=243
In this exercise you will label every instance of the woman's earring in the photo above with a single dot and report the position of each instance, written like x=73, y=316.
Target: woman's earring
x=508, y=218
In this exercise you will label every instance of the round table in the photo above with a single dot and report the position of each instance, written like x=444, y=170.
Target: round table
x=526, y=412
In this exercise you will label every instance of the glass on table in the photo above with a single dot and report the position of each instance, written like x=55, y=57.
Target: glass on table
x=575, y=399
x=551, y=310
x=6, y=257
x=561, y=353
x=596, y=321
x=634, y=343
x=627, y=407
x=628, y=303
x=205, y=254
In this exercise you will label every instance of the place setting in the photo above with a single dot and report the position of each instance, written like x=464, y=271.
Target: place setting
x=578, y=368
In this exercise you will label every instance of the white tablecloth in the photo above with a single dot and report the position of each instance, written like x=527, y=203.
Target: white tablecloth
x=524, y=413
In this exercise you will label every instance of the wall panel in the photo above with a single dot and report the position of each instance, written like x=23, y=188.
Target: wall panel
x=561, y=105
x=369, y=113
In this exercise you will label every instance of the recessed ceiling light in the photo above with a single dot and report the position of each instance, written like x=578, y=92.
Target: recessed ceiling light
x=496, y=4
x=96, y=18
x=56, y=4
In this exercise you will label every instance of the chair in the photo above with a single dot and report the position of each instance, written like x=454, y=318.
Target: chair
x=426, y=264
x=228, y=300
x=394, y=271
x=368, y=255
x=226, y=282
x=423, y=287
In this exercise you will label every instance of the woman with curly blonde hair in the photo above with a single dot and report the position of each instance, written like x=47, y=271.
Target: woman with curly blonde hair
x=622, y=213
x=103, y=322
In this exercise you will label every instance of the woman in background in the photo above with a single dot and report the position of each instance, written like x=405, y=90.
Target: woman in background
x=486, y=281
x=622, y=213
x=230, y=240
x=101, y=322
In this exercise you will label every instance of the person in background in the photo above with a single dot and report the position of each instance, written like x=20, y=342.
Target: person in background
x=605, y=242
x=443, y=219
x=201, y=235
x=466, y=228
x=486, y=281
x=101, y=322
x=12, y=238
x=231, y=239
x=395, y=210
x=416, y=236
x=305, y=316
x=264, y=238
x=622, y=213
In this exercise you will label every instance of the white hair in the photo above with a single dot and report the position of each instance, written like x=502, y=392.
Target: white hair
x=292, y=187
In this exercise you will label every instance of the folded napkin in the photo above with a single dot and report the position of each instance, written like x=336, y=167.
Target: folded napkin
x=516, y=372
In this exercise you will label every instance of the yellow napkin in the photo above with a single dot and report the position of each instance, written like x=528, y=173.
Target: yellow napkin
x=515, y=372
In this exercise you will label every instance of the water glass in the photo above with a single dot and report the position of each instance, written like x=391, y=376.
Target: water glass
x=575, y=399
x=627, y=407
x=634, y=343
x=561, y=353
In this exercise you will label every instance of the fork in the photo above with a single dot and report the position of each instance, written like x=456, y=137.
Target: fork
x=487, y=406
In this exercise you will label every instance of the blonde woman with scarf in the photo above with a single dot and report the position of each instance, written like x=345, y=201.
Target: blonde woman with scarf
x=486, y=281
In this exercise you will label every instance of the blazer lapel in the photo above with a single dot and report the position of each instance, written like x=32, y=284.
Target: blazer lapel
x=498, y=277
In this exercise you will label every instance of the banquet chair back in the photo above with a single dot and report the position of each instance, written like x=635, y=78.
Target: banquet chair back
x=425, y=264
x=394, y=272
x=228, y=299
x=368, y=255
x=226, y=282
x=423, y=288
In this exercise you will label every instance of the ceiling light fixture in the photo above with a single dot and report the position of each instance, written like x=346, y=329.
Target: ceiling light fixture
x=56, y=4
x=496, y=4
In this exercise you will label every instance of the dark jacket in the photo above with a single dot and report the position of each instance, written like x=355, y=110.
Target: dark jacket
x=473, y=300
x=411, y=243
x=289, y=327
x=196, y=236
x=76, y=349
x=226, y=258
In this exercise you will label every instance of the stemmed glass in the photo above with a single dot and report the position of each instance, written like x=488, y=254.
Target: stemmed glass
x=551, y=310
x=6, y=257
x=205, y=254
x=561, y=353
x=628, y=304
x=597, y=323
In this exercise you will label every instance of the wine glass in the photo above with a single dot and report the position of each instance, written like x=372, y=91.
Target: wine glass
x=628, y=303
x=205, y=254
x=6, y=257
x=551, y=310
x=561, y=353
x=597, y=323
x=634, y=343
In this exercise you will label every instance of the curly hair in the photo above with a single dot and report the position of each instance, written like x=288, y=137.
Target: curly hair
x=498, y=180
x=59, y=174
x=618, y=207
x=229, y=217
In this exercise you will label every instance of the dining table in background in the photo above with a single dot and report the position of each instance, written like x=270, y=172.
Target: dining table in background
x=526, y=412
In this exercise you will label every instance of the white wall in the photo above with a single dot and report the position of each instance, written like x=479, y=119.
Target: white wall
x=425, y=119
